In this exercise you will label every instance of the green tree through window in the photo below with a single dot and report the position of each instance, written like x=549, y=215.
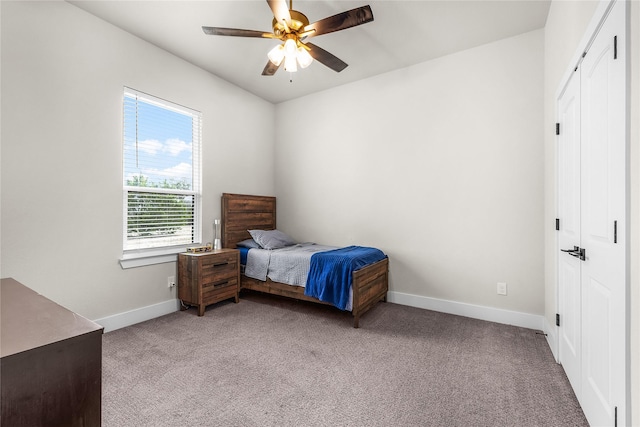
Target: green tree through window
x=152, y=214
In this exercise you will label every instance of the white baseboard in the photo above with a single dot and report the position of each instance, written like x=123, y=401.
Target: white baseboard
x=524, y=320
x=128, y=318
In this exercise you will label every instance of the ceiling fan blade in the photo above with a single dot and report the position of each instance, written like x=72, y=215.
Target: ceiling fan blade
x=280, y=11
x=341, y=21
x=219, y=31
x=270, y=69
x=326, y=58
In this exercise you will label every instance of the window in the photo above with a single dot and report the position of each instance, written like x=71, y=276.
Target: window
x=161, y=174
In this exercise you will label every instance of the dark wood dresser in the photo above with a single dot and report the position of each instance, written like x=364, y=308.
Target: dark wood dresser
x=209, y=277
x=51, y=362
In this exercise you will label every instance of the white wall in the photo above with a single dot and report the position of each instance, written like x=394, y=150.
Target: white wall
x=440, y=165
x=63, y=73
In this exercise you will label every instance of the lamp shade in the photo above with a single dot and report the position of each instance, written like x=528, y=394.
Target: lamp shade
x=290, y=63
x=290, y=48
x=304, y=58
x=276, y=55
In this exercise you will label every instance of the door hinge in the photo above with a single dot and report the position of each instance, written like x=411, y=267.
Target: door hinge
x=615, y=231
x=615, y=417
x=557, y=319
x=615, y=47
x=557, y=128
x=557, y=224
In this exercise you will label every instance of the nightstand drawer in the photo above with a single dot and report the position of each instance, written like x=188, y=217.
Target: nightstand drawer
x=217, y=285
x=217, y=260
x=214, y=269
x=218, y=291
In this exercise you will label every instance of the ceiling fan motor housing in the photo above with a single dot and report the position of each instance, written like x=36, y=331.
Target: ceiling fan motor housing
x=298, y=22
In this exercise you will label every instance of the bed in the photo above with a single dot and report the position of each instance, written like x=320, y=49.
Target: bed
x=241, y=213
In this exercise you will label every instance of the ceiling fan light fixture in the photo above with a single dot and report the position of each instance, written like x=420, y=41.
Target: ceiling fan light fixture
x=276, y=55
x=290, y=55
x=290, y=63
x=304, y=58
x=290, y=48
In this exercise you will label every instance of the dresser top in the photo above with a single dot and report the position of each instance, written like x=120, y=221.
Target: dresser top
x=29, y=320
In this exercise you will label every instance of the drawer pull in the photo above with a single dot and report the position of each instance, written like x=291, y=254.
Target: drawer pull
x=217, y=285
x=220, y=264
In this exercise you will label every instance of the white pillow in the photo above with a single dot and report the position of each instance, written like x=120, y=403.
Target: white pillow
x=272, y=239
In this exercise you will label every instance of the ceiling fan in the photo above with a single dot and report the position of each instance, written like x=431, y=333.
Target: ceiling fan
x=292, y=28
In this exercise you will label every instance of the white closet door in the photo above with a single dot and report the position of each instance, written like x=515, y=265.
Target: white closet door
x=603, y=223
x=569, y=287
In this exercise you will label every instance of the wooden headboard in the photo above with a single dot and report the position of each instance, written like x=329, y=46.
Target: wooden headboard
x=241, y=212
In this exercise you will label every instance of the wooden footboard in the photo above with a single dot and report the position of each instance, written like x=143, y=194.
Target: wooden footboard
x=370, y=285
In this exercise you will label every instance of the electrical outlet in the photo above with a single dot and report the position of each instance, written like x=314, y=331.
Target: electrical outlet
x=171, y=281
x=502, y=288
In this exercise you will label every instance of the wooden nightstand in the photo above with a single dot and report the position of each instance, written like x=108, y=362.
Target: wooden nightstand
x=209, y=277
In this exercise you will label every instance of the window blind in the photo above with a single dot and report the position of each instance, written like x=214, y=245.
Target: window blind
x=161, y=172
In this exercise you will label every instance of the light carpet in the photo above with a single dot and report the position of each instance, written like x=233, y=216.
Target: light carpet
x=272, y=361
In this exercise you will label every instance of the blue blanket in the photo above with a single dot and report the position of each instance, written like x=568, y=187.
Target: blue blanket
x=330, y=272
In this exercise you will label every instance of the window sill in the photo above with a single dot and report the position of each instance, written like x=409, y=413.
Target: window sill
x=141, y=258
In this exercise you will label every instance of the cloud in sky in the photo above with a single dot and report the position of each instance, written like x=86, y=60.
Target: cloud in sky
x=150, y=146
x=179, y=171
x=176, y=146
x=159, y=161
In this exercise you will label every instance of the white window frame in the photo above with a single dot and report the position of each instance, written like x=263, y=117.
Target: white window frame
x=156, y=255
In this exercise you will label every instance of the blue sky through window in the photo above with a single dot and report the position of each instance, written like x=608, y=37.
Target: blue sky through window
x=158, y=143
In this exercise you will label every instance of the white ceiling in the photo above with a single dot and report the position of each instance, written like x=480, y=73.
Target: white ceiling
x=403, y=33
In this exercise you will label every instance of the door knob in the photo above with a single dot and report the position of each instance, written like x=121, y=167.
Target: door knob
x=576, y=252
